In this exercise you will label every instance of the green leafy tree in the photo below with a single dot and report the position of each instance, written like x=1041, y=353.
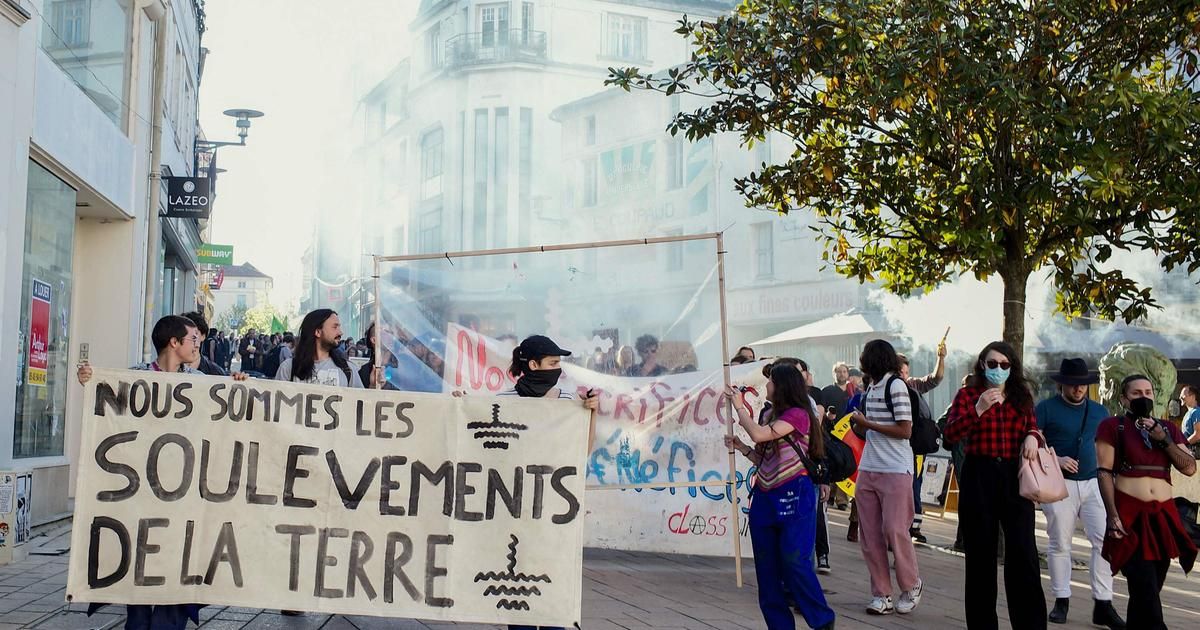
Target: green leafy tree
x=240, y=319
x=231, y=319
x=260, y=318
x=937, y=137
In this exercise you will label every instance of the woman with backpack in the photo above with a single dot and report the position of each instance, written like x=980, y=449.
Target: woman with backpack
x=883, y=492
x=783, y=509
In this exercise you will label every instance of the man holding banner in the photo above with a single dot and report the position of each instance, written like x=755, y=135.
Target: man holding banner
x=177, y=340
x=294, y=495
x=537, y=366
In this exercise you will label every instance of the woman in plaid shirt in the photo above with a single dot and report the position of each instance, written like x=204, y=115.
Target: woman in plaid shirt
x=995, y=416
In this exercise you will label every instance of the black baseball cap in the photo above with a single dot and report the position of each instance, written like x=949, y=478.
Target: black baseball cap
x=538, y=346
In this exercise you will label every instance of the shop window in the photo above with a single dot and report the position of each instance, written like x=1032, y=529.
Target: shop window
x=43, y=373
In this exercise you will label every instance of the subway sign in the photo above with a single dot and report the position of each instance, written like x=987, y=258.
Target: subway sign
x=210, y=254
x=188, y=197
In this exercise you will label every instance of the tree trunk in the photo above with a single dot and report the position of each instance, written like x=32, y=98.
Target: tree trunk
x=1014, y=310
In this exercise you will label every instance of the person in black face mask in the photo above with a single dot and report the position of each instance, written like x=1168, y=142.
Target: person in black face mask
x=537, y=366
x=1136, y=453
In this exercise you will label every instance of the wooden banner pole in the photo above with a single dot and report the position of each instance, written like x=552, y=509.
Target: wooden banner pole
x=733, y=504
x=552, y=248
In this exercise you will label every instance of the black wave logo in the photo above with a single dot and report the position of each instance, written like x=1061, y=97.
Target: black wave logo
x=509, y=586
x=496, y=434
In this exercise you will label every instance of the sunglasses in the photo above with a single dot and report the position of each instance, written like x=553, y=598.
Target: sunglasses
x=993, y=364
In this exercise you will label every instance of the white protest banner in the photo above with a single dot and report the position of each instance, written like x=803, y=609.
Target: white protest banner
x=287, y=496
x=667, y=429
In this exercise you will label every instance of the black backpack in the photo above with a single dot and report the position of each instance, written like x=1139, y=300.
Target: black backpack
x=837, y=465
x=926, y=438
x=271, y=363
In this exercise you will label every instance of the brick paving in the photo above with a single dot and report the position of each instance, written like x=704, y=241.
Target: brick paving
x=622, y=591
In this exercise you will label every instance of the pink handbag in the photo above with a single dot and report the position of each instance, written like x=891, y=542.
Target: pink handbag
x=1041, y=480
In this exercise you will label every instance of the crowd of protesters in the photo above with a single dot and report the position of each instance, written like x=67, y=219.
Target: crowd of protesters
x=1117, y=469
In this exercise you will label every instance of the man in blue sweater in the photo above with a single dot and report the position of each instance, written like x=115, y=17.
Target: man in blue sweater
x=1069, y=421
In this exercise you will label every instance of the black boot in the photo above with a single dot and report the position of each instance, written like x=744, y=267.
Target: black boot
x=1103, y=614
x=1061, y=606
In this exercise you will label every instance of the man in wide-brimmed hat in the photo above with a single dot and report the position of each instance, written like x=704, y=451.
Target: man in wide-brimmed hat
x=1069, y=421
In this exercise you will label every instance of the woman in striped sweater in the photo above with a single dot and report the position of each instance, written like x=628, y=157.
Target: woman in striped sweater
x=783, y=509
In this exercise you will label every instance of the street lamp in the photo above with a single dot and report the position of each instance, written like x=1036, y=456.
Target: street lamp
x=243, y=117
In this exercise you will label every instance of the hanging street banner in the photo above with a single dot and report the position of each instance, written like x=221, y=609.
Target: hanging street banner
x=188, y=197
x=210, y=254
x=664, y=430
x=268, y=494
x=39, y=331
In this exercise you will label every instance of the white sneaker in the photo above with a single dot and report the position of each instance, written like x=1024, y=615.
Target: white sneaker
x=909, y=599
x=881, y=606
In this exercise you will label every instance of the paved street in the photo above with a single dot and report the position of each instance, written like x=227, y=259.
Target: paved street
x=622, y=591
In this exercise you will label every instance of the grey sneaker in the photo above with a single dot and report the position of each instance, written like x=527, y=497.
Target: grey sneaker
x=909, y=599
x=881, y=606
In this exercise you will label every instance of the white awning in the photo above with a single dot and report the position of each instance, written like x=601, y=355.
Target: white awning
x=848, y=323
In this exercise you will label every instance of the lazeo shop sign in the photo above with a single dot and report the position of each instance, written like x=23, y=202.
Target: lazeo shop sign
x=188, y=197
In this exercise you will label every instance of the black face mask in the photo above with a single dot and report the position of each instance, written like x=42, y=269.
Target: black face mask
x=1141, y=407
x=535, y=383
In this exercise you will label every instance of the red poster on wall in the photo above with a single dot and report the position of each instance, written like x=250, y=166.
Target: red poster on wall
x=39, y=332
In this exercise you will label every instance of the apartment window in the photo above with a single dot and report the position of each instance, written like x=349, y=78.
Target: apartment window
x=71, y=22
x=525, y=173
x=526, y=22
x=433, y=46
x=589, y=182
x=589, y=131
x=626, y=37
x=465, y=193
x=429, y=236
x=493, y=25
x=764, y=250
x=480, y=205
x=241, y=299
x=500, y=163
x=676, y=162
x=431, y=164
x=104, y=72
x=241, y=284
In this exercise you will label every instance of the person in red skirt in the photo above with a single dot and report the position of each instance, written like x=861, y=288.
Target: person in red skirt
x=1135, y=453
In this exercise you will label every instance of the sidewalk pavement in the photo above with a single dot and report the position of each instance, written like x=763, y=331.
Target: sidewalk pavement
x=622, y=590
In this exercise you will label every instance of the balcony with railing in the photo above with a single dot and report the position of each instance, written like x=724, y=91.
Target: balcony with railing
x=489, y=47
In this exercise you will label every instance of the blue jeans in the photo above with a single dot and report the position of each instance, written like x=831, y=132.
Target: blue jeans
x=783, y=528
